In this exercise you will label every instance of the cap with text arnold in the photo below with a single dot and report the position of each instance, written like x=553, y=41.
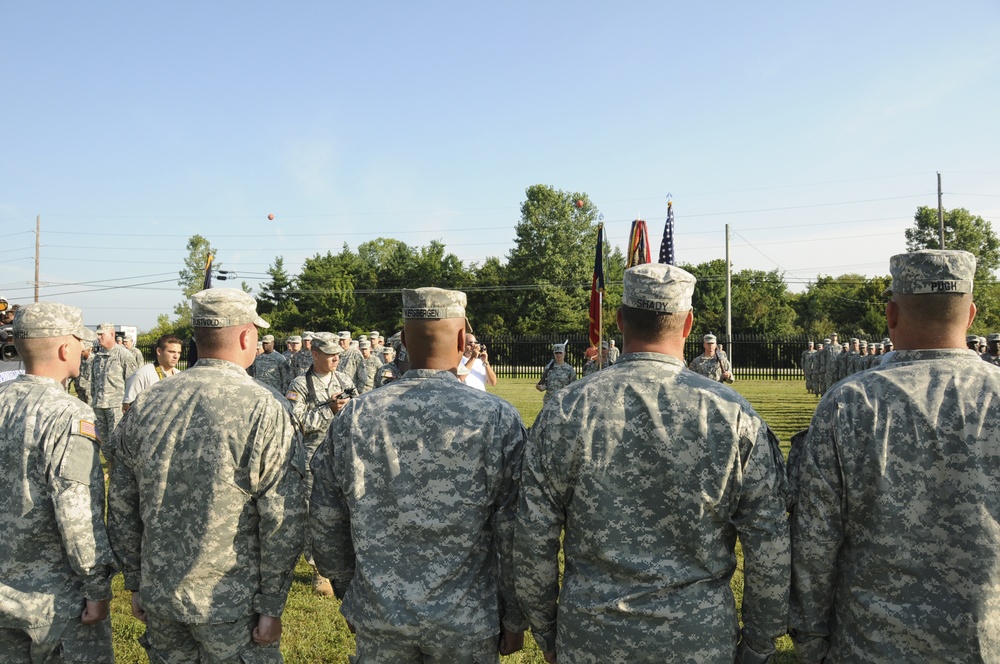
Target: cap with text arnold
x=658, y=287
x=45, y=320
x=224, y=307
x=431, y=303
x=931, y=271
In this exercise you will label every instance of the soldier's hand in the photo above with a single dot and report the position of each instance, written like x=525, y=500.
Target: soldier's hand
x=95, y=611
x=550, y=657
x=268, y=630
x=510, y=642
x=137, y=611
x=539, y=387
x=337, y=402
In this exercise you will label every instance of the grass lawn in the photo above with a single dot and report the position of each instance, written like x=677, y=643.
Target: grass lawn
x=314, y=630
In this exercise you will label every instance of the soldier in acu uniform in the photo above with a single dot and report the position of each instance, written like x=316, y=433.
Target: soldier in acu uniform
x=713, y=363
x=413, y=507
x=83, y=381
x=112, y=366
x=302, y=359
x=293, y=345
x=206, y=506
x=271, y=367
x=894, y=530
x=388, y=372
x=367, y=369
x=649, y=472
x=316, y=397
x=557, y=375
x=351, y=357
x=806, y=364
x=55, y=561
x=992, y=354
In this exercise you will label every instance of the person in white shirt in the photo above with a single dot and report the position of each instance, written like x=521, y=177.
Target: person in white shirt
x=168, y=353
x=477, y=361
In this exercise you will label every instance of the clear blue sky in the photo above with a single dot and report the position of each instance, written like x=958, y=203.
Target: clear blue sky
x=814, y=131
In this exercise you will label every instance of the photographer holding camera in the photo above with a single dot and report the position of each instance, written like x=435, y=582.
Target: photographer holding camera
x=477, y=361
x=317, y=396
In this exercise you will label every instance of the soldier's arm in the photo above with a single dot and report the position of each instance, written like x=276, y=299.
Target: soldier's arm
x=129, y=365
x=330, y=516
x=124, y=518
x=77, y=486
x=310, y=418
x=817, y=534
x=540, y=520
x=762, y=523
x=279, y=493
x=504, y=517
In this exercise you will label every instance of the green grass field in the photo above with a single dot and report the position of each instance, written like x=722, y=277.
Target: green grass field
x=313, y=629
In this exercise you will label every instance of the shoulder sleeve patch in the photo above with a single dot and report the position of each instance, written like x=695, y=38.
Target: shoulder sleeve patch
x=86, y=428
x=78, y=460
x=292, y=396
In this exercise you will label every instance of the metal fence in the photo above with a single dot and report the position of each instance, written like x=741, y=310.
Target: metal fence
x=524, y=356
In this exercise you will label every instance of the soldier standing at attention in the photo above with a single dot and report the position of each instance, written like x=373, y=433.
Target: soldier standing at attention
x=302, y=359
x=368, y=368
x=112, y=366
x=556, y=376
x=271, y=367
x=293, y=345
x=351, y=357
x=613, y=352
x=55, y=561
x=206, y=511
x=713, y=363
x=992, y=354
x=413, y=516
x=129, y=342
x=652, y=471
x=316, y=397
x=83, y=381
x=895, y=545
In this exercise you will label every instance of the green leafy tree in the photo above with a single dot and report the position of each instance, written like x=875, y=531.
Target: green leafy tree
x=851, y=305
x=709, y=299
x=276, y=291
x=192, y=278
x=549, y=269
x=972, y=233
x=325, y=294
x=761, y=303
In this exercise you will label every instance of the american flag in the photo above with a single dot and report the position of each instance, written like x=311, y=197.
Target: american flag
x=667, y=245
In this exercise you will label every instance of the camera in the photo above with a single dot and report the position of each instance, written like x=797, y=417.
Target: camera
x=349, y=393
x=7, y=351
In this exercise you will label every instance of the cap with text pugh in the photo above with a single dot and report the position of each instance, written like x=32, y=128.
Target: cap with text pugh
x=45, y=320
x=931, y=271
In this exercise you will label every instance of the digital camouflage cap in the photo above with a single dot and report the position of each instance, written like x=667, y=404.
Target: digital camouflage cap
x=44, y=320
x=658, y=287
x=434, y=304
x=224, y=307
x=931, y=271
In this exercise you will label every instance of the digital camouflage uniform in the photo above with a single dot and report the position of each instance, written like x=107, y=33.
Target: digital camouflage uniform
x=832, y=351
x=301, y=362
x=350, y=361
x=137, y=355
x=412, y=515
x=83, y=381
x=207, y=510
x=370, y=366
x=109, y=372
x=711, y=367
x=653, y=471
x=896, y=543
x=387, y=373
x=805, y=363
x=54, y=551
x=557, y=377
x=820, y=369
x=272, y=368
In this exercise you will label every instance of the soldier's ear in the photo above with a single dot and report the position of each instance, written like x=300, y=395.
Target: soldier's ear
x=891, y=314
x=688, y=324
x=972, y=315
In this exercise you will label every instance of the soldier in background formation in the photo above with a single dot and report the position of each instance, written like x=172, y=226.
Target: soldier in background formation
x=894, y=533
x=992, y=354
x=598, y=362
x=370, y=364
x=112, y=366
x=414, y=501
x=557, y=375
x=293, y=345
x=822, y=370
x=129, y=342
x=713, y=363
x=82, y=382
x=206, y=510
x=650, y=472
x=55, y=560
x=806, y=363
x=271, y=367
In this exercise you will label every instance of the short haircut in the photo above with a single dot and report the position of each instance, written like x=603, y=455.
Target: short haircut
x=165, y=339
x=934, y=308
x=211, y=339
x=651, y=325
x=33, y=351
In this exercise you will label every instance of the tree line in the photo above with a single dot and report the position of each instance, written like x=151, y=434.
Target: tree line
x=543, y=284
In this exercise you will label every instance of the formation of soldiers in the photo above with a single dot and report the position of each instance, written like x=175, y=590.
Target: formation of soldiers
x=830, y=361
x=440, y=522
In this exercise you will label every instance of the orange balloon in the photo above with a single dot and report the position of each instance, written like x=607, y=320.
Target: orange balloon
x=270, y=217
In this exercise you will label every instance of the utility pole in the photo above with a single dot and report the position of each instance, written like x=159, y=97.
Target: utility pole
x=729, y=299
x=38, y=244
x=940, y=211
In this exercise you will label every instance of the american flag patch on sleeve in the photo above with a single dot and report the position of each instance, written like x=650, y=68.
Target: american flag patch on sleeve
x=88, y=429
x=292, y=396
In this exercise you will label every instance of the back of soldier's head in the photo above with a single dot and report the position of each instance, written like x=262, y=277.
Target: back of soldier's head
x=932, y=290
x=656, y=299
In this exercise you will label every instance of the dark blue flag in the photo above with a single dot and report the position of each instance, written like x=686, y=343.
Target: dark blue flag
x=667, y=245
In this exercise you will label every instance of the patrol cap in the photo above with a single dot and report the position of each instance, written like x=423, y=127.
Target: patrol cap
x=604, y=345
x=294, y=339
x=811, y=343
x=971, y=338
x=267, y=339
x=224, y=307
x=106, y=327
x=343, y=334
x=354, y=343
x=396, y=341
x=364, y=343
x=45, y=320
x=386, y=350
x=863, y=343
x=931, y=271
x=982, y=340
x=374, y=334
x=994, y=336
x=887, y=343
x=558, y=348
x=845, y=346
x=710, y=339
x=431, y=303
x=826, y=341
x=658, y=287
x=307, y=336
x=327, y=342
x=833, y=334
x=855, y=340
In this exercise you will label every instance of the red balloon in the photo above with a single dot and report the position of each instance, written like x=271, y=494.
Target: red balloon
x=270, y=217
x=579, y=203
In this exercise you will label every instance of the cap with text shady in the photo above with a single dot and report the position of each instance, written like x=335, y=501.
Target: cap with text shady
x=46, y=320
x=327, y=343
x=434, y=304
x=658, y=287
x=931, y=271
x=224, y=307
